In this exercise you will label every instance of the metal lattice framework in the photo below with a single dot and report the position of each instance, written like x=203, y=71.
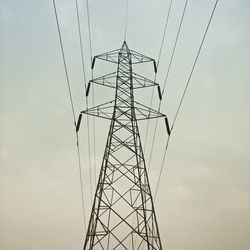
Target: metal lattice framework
x=123, y=214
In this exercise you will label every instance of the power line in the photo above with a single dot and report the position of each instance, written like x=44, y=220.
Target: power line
x=157, y=65
x=168, y=70
x=94, y=135
x=155, y=77
x=90, y=165
x=85, y=86
x=73, y=112
x=184, y=93
x=81, y=181
x=161, y=169
x=93, y=95
x=164, y=32
x=195, y=61
x=175, y=43
x=89, y=31
x=64, y=63
x=81, y=48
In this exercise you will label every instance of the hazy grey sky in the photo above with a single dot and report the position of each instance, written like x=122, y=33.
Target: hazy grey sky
x=204, y=197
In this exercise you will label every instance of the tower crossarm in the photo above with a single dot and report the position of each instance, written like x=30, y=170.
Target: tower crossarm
x=110, y=80
x=113, y=57
x=142, y=82
x=105, y=111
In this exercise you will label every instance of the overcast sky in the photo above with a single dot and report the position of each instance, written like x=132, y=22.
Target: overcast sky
x=204, y=197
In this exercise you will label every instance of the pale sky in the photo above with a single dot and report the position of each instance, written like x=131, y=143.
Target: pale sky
x=204, y=197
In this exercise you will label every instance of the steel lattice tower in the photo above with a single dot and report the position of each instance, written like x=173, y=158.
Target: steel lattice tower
x=123, y=214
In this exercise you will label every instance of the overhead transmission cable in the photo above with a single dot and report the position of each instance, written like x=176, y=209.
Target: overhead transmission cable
x=155, y=77
x=184, y=93
x=64, y=62
x=175, y=44
x=73, y=111
x=89, y=31
x=85, y=87
x=164, y=33
x=81, y=47
x=157, y=65
x=168, y=70
x=93, y=94
x=86, y=99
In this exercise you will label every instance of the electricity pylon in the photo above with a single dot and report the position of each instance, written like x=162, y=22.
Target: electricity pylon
x=123, y=214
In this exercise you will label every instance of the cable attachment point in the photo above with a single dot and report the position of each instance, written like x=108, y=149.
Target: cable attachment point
x=88, y=88
x=155, y=66
x=167, y=126
x=159, y=92
x=78, y=122
x=93, y=63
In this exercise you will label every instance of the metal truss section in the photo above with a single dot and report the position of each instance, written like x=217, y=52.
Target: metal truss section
x=105, y=111
x=123, y=214
x=113, y=57
x=109, y=80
